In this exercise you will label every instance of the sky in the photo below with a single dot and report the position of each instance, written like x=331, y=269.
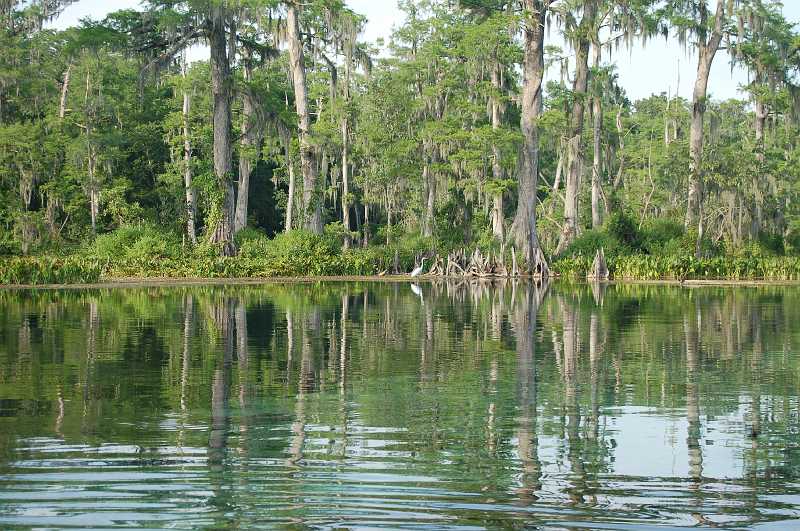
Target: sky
x=643, y=70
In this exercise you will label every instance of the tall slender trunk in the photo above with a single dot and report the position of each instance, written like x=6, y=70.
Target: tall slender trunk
x=346, y=181
x=312, y=208
x=252, y=138
x=429, y=177
x=758, y=198
x=346, y=156
x=365, y=241
x=621, y=138
x=497, y=168
x=597, y=128
x=62, y=106
x=575, y=147
x=524, y=227
x=94, y=186
x=191, y=202
x=706, y=52
x=290, y=198
x=222, y=88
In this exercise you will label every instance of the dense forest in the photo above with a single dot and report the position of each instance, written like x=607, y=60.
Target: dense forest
x=495, y=128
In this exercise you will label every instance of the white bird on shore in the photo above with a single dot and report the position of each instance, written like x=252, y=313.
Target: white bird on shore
x=418, y=271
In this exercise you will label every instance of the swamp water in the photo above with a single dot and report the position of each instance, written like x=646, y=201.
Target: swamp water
x=367, y=405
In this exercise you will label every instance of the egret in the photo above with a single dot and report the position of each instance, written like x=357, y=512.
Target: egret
x=417, y=291
x=418, y=271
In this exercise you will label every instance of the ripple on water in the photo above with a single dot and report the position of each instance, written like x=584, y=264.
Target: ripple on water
x=365, y=406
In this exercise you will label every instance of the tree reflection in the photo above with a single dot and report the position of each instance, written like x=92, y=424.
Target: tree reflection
x=525, y=315
x=486, y=389
x=691, y=322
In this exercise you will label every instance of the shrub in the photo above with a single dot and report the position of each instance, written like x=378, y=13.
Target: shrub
x=641, y=267
x=772, y=244
x=295, y=253
x=247, y=234
x=658, y=235
x=335, y=233
x=136, y=242
x=623, y=228
x=572, y=267
x=8, y=245
x=588, y=243
x=49, y=270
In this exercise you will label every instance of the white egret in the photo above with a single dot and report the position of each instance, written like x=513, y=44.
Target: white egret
x=418, y=271
x=417, y=291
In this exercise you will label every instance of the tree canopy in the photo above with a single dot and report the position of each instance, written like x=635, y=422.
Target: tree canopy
x=453, y=138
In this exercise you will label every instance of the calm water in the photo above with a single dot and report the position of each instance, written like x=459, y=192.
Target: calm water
x=395, y=405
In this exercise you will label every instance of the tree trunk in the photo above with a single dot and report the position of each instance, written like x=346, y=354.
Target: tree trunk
x=94, y=187
x=621, y=136
x=574, y=146
x=252, y=138
x=62, y=106
x=758, y=199
x=365, y=242
x=222, y=88
x=498, y=219
x=346, y=181
x=312, y=209
x=597, y=128
x=524, y=227
x=191, y=203
x=346, y=157
x=497, y=168
x=290, y=198
x=706, y=52
x=430, y=199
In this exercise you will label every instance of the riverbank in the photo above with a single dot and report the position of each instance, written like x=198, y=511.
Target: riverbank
x=144, y=282
x=358, y=266
x=141, y=253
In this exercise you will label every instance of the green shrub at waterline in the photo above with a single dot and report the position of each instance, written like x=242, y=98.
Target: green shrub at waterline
x=48, y=270
x=147, y=252
x=136, y=242
x=650, y=267
x=144, y=252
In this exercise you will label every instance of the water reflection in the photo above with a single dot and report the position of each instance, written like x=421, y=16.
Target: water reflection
x=352, y=404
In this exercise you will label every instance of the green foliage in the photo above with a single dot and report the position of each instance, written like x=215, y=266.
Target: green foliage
x=659, y=236
x=336, y=233
x=718, y=268
x=588, y=243
x=145, y=252
x=572, y=267
x=296, y=253
x=435, y=121
x=248, y=234
x=684, y=267
x=136, y=242
x=48, y=270
x=665, y=251
x=621, y=227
